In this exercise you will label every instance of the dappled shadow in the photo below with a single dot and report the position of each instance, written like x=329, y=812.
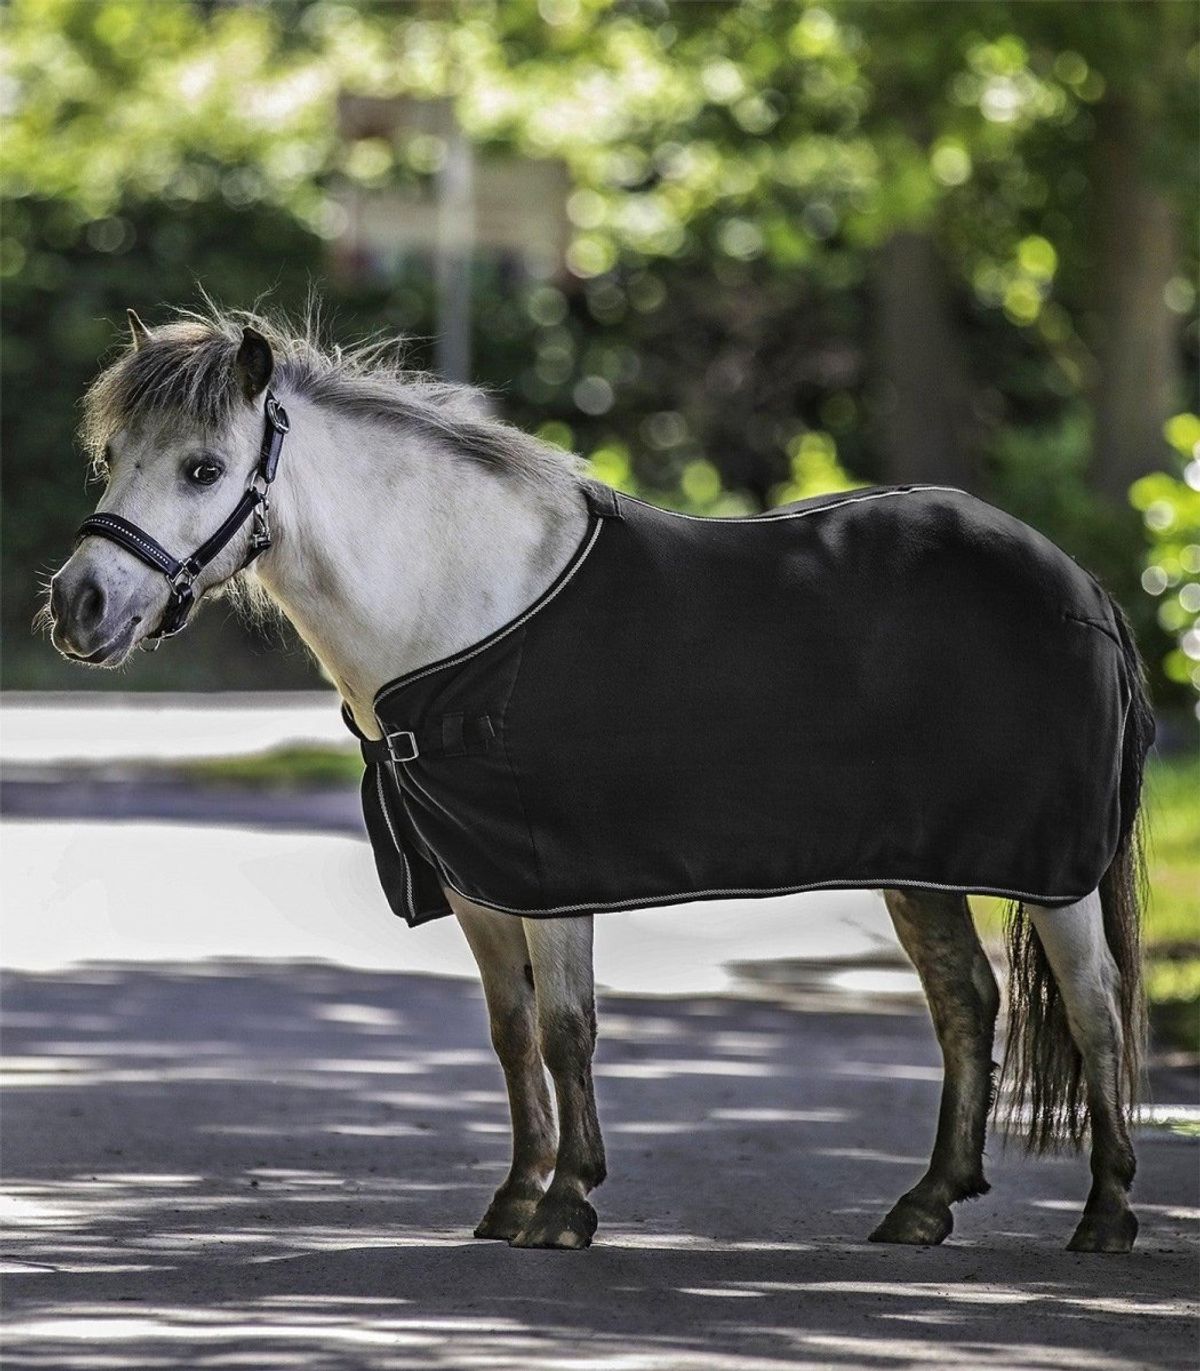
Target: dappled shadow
x=269, y=1164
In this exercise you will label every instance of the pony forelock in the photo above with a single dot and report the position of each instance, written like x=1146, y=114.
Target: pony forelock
x=186, y=368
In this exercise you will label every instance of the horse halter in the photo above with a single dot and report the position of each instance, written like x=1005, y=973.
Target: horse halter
x=181, y=575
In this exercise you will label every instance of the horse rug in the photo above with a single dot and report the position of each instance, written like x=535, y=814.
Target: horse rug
x=898, y=687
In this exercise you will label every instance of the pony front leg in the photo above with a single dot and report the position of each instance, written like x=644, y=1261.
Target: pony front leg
x=561, y=954
x=498, y=944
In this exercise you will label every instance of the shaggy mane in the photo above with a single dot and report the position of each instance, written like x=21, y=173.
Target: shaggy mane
x=187, y=368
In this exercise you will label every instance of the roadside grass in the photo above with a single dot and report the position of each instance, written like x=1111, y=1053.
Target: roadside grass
x=1172, y=928
x=1173, y=852
x=285, y=768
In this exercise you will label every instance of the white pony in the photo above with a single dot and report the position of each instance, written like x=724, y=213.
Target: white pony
x=405, y=526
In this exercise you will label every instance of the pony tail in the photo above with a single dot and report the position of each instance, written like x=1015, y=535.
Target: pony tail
x=1042, y=1066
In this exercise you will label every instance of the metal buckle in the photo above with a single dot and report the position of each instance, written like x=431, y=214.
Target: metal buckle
x=260, y=529
x=276, y=415
x=414, y=751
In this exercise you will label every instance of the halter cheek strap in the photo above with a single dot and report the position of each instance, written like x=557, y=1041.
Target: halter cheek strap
x=181, y=575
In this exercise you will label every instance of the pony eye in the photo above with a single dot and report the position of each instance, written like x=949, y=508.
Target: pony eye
x=204, y=473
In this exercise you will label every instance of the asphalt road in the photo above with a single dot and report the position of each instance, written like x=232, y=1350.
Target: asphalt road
x=271, y=1164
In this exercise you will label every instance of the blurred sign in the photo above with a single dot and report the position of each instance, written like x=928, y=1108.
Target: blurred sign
x=518, y=215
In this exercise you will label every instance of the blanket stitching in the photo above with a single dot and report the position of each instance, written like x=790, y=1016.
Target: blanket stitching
x=869, y=883
x=573, y=568
x=387, y=818
x=487, y=642
x=778, y=516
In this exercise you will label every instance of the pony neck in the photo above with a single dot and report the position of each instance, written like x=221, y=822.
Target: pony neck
x=391, y=552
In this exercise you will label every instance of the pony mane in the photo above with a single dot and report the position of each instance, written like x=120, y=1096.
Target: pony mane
x=187, y=368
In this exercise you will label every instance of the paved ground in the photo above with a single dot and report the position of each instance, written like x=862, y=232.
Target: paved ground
x=272, y=1165
x=266, y=1162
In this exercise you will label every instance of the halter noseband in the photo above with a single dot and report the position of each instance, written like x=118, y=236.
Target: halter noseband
x=182, y=574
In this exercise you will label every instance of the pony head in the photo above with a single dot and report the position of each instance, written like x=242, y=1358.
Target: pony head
x=174, y=427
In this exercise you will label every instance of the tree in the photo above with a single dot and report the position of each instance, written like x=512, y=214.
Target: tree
x=810, y=242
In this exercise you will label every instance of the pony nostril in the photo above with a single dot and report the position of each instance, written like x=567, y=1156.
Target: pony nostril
x=58, y=601
x=89, y=604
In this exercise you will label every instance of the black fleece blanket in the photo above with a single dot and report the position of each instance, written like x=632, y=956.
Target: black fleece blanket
x=895, y=687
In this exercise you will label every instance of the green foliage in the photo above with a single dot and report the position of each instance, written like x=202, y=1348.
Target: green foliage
x=734, y=169
x=127, y=101
x=815, y=469
x=1173, y=850
x=1039, y=472
x=1170, y=509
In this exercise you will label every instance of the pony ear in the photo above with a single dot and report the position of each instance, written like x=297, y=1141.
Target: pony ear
x=139, y=334
x=255, y=363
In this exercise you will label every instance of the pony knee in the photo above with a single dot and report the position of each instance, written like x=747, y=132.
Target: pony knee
x=568, y=1041
x=513, y=1034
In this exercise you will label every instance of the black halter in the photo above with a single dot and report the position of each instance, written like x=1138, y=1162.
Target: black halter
x=181, y=574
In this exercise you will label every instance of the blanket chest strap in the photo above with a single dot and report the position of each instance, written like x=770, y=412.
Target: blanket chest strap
x=452, y=735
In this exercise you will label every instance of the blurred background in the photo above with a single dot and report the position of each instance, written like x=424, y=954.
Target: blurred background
x=733, y=253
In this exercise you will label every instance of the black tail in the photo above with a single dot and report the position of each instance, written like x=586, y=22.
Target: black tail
x=1042, y=1066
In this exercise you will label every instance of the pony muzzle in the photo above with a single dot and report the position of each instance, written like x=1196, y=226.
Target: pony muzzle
x=99, y=618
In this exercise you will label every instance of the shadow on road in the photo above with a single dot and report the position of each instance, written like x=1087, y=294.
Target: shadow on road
x=268, y=1164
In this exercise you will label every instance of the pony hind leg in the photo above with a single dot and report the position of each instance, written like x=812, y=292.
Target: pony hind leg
x=498, y=944
x=1076, y=947
x=937, y=932
x=561, y=954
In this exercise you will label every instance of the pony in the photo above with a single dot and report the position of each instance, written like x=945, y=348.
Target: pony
x=406, y=525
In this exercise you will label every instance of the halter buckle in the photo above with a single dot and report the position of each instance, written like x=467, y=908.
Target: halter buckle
x=183, y=580
x=276, y=415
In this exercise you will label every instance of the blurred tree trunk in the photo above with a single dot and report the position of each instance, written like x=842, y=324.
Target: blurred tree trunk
x=1135, y=344
x=921, y=405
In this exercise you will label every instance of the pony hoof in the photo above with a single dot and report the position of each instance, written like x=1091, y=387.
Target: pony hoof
x=1105, y=1233
x=915, y=1225
x=508, y=1213
x=505, y=1221
x=564, y=1224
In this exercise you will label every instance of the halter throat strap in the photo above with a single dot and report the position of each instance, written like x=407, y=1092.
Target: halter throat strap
x=181, y=573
